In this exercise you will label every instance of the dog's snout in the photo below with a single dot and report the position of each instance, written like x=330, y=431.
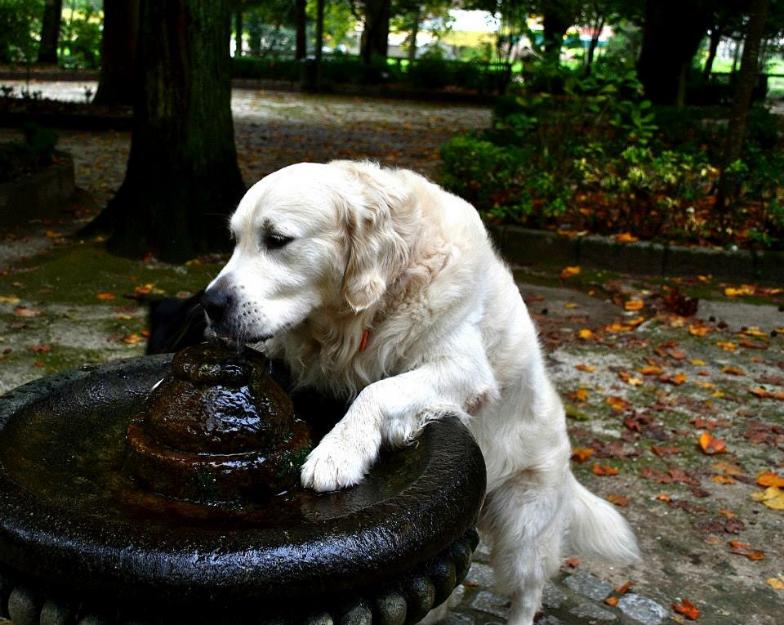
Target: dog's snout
x=216, y=302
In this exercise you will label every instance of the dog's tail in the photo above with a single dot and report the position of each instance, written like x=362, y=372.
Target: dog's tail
x=597, y=529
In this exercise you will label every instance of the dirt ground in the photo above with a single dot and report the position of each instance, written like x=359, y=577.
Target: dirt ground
x=674, y=404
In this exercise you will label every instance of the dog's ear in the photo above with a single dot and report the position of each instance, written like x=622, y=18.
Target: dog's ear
x=376, y=250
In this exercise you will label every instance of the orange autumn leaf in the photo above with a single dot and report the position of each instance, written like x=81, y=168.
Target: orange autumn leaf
x=581, y=454
x=687, y=609
x=744, y=289
x=568, y=272
x=727, y=346
x=611, y=601
x=733, y=370
x=132, y=339
x=699, y=330
x=105, y=296
x=675, y=380
x=585, y=334
x=619, y=500
x=584, y=367
x=766, y=394
x=723, y=479
x=618, y=404
x=633, y=304
x=651, y=370
x=769, y=478
x=24, y=311
x=710, y=445
x=745, y=549
x=626, y=587
x=580, y=395
x=604, y=470
x=625, y=237
x=629, y=378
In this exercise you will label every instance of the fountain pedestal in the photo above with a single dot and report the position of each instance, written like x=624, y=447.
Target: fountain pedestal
x=101, y=522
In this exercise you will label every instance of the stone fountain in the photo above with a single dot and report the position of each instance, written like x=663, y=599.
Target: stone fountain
x=165, y=490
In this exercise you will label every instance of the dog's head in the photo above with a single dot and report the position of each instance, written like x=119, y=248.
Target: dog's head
x=308, y=236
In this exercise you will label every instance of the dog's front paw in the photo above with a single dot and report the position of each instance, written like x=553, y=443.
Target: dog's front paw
x=333, y=465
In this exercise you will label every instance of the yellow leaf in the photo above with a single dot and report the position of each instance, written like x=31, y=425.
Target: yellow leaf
x=585, y=334
x=772, y=497
x=568, y=272
x=711, y=445
x=697, y=362
x=699, y=330
x=754, y=331
x=633, y=304
x=776, y=583
x=9, y=299
x=727, y=346
x=745, y=289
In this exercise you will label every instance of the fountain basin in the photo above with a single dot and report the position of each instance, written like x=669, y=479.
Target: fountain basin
x=76, y=529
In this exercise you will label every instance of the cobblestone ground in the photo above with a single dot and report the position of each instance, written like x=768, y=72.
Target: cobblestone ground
x=674, y=406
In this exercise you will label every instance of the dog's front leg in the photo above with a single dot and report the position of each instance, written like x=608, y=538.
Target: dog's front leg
x=393, y=411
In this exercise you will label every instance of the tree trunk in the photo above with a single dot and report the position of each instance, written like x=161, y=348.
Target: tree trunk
x=238, y=28
x=301, y=20
x=119, y=44
x=594, y=43
x=182, y=178
x=671, y=36
x=376, y=32
x=556, y=19
x=715, y=40
x=50, y=31
x=412, y=37
x=744, y=87
x=319, y=29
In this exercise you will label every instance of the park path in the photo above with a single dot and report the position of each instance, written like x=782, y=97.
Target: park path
x=640, y=383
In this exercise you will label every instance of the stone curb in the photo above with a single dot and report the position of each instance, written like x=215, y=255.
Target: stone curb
x=525, y=245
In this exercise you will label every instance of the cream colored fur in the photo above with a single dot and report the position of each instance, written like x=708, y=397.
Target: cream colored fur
x=388, y=252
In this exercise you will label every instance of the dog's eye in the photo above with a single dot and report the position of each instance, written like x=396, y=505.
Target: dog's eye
x=274, y=241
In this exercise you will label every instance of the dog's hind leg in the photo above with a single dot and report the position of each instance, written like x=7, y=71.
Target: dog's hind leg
x=524, y=518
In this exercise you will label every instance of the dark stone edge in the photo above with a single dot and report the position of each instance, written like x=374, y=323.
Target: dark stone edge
x=525, y=245
x=402, y=602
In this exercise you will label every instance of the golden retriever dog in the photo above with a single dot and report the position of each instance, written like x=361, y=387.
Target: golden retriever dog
x=378, y=286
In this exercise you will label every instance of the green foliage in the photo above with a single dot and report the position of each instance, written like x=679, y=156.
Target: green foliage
x=20, y=26
x=80, y=35
x=597, y=157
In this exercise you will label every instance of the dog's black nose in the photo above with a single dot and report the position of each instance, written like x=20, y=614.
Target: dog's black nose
x=216, y=302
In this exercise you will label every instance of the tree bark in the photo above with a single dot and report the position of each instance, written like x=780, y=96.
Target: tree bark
x=376, y=33
x=300, y=18
x=238, y=28
x=594, y=43
x=671, y=36
x=119, y=43
x=556, y=20
x=715, y=40
x=50, y=31
x=319, y=29
x=744, y=88
x=182, y=178
x=412, y=37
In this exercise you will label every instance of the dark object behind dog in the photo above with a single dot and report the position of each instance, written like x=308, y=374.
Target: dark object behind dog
x=175, y=323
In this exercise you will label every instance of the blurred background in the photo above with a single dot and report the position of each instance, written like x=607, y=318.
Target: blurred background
x=625, y=156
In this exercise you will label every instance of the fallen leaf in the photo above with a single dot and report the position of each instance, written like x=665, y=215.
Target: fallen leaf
x=24, y=311
x=625, y=237
x=132, y=339
x=629, y=378
x=585, y=334
x=619, y=500
x=41, y=348
x=580, y=395
x=769, y=478
x=727, y=468
x=624, y=588
x=745, y=289
x=105, y=296
x=727, y=346
x=39, y=363
x=604, y=470
x=51, y=234
x=675, y=380
x=687, y=608
x=9, y=299
x=772, y=497
x=581, y=454
x=754, y=331
x=618, y=404
x=612, y=601
x=723, y=479
x=711, y=445
x=651, y=370
x=572, y=562
x=568, y=272
x=634, y=304
x=776, y=583
x=699, y=330
x=766, y=394
x=733, y=370
x=697, y=362
x=744, y=549
x=664, y=451
x=585, y=367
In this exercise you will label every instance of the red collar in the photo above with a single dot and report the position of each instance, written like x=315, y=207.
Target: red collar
x=364, y=340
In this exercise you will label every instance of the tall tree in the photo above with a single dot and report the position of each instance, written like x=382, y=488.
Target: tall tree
x=182, y=178
x=557, y=17
x=118, y=80
x=672, y=32
x=50, y=31
x=301, y=22
x=238, y=28
x=376, y=32
x=744, y=87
